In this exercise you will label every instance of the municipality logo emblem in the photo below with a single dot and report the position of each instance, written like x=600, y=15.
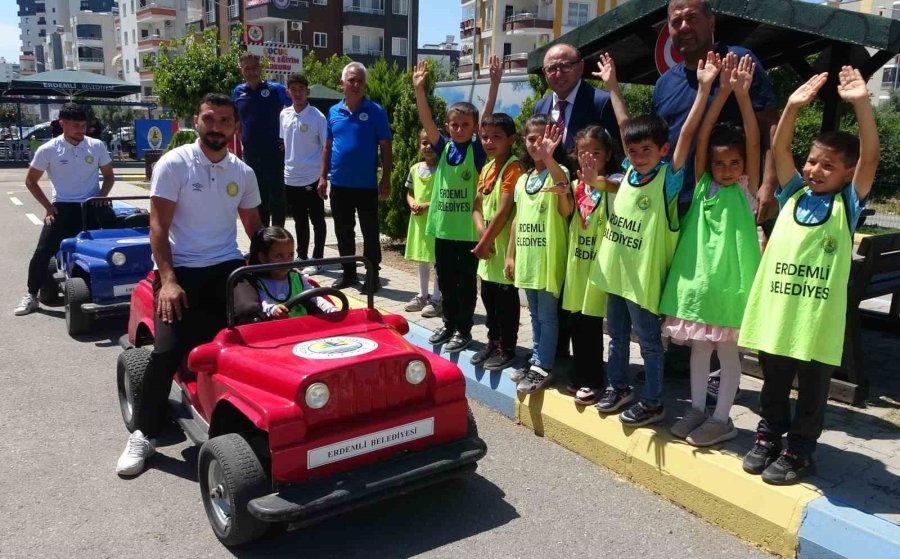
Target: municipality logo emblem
x=336, y=347
x=829, y=245
x=364, y=117
x=232, y=189
x=304, y=127
x=643, y=202
x=264, y=93
x=466, y=175
x=89, y=159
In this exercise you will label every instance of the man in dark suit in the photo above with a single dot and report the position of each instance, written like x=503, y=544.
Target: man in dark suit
x=572, y=101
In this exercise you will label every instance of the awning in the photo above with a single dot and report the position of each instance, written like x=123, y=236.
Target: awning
x=70, y=83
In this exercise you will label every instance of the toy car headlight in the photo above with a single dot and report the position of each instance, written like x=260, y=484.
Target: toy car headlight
x=117, y=258
x=317, y=395
x=415, y=372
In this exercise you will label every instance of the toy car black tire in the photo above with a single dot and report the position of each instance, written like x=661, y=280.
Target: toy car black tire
x=130, y=369
x=473, y=427
x=49, y=292
x=240, y=478
x=77, y=292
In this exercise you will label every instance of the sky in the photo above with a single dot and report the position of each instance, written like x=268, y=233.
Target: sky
x=435, y=22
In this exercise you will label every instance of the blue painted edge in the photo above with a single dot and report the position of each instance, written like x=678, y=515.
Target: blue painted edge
x=832, y=529
x=491, y=388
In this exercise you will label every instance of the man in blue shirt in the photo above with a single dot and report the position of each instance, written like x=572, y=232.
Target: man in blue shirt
x=692, y=26
x=259, y=104
x=358, y=130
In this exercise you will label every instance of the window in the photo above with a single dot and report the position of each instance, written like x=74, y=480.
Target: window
x=125, y=37
x=133, y=36
x=398, y=46
x=401, y=7
x=127, y=65
x=578, y=14
x=320, y=2
x=320, y=40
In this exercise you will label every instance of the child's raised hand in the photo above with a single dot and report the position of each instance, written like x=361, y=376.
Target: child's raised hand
x=495, y=69
x=708, y=69
x=547, y=143
x=606, y=69
x=851, y=85
x=742, y=77
x=420, y=74
x=589, y=171
x=806, y=93
x=280, y=311
x=729, y=66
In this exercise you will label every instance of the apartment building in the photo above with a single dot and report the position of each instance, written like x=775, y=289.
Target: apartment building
x=39, y=20
x=886, y=80
x=445, y=55
x=513, y=28
x=142, y=26
x=364, y=30
x=8, y=70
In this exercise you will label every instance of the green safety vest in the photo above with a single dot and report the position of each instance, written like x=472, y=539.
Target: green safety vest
x=639, y=242
x=716, y=260
x=492, y=268
x=452, y=201
x=540, y=238
x=798, y=304
x=581, y=295
x=419, y=246
x=296, y=288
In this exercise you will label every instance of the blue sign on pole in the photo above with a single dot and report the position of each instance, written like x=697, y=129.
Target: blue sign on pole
x=152, y=134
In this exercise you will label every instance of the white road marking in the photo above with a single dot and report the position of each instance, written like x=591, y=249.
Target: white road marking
x=34, y=219
x=15, y=201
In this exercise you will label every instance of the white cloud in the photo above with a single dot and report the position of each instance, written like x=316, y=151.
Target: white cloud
x=10, y=45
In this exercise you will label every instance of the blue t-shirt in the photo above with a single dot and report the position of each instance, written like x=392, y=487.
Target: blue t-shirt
x=674, y=179
x=676, y=90
x=456, y=153
x=354, y=143
x=813, y=209
x=259, y=110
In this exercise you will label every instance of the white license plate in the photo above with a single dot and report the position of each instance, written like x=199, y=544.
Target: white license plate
x=369, y=443
x=122, y=290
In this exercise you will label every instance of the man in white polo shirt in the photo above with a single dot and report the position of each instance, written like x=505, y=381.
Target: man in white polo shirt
x=198, y=193
x=71, y=160
x=304, y=131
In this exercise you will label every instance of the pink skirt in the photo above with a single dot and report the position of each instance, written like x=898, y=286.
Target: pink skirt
x=684, y=332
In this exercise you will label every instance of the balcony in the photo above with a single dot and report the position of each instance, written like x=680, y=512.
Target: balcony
x=150, y=43
x=467, y=4
x=234, y=9
x=264, y=11
x=146, y=74
x=210, y=16
x=465, y=71
x=89, y=41
x=465, y=60
x=350, y=51
x=516, y=63
x=528, y=24
x=361, y=9
x=155, y=10
x=468, y=29
x=91, y=64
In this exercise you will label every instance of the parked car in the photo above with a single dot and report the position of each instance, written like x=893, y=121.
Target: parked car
x=303, y=418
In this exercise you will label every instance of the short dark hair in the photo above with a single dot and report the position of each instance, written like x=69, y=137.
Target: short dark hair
x=73, y=111
x=647, y=127
x=727, y=135
x=704, y=5
x=842, y=142
x=502, y=121
x=297, y=78
x=218, y=100
x=264, y=239
x=463, y=108
x=248, y=56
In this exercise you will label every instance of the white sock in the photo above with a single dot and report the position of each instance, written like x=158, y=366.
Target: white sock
x=424, y=273
x=701, y=352
x=730, y=379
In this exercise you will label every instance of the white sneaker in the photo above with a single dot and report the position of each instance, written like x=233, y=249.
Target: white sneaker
x=432, y=310
x=416, y=304
x=27, y=305
x=311, y=270
x=138, y=449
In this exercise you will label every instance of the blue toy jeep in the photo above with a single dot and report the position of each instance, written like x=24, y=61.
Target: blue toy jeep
x=99, y=267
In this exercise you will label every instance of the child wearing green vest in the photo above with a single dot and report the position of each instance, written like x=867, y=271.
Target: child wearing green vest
x=639, y=243
x=262, y=297
x=536, y=255
x=717, y=256
x=493, y=217
x=419, y=246
x=797, y=308
x=586, y=302
x=461, y=158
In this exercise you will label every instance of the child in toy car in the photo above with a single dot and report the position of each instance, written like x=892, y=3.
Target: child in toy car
x=263, y=297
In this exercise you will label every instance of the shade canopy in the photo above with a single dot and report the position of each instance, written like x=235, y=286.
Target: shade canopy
x=70, y=83
x=319, y=91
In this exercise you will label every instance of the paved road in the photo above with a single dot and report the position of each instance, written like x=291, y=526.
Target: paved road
x=61, y=432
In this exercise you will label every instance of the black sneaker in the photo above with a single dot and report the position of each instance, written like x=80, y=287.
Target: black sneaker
x=535, y=379
x=345, y=281
x=440, y=336
x=372, y=284
x=458, y=343
x=788, y=469
x=484, y=353
x=763, y=453
x=642, y=414
x=500, y=360
x=614, y=398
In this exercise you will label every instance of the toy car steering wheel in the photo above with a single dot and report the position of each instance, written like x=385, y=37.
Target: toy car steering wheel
x=137, y=220
x=306, y=296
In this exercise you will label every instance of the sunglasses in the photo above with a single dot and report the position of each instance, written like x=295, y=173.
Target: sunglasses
x=563, y=67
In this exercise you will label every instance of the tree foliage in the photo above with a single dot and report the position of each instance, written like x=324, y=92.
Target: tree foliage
x=325, y=72
x=189, y=67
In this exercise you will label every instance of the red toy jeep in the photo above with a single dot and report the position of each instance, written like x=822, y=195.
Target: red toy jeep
x=307, y=417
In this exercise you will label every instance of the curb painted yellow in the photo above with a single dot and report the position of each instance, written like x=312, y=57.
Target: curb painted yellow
x=858, y=237
x=709, y=483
